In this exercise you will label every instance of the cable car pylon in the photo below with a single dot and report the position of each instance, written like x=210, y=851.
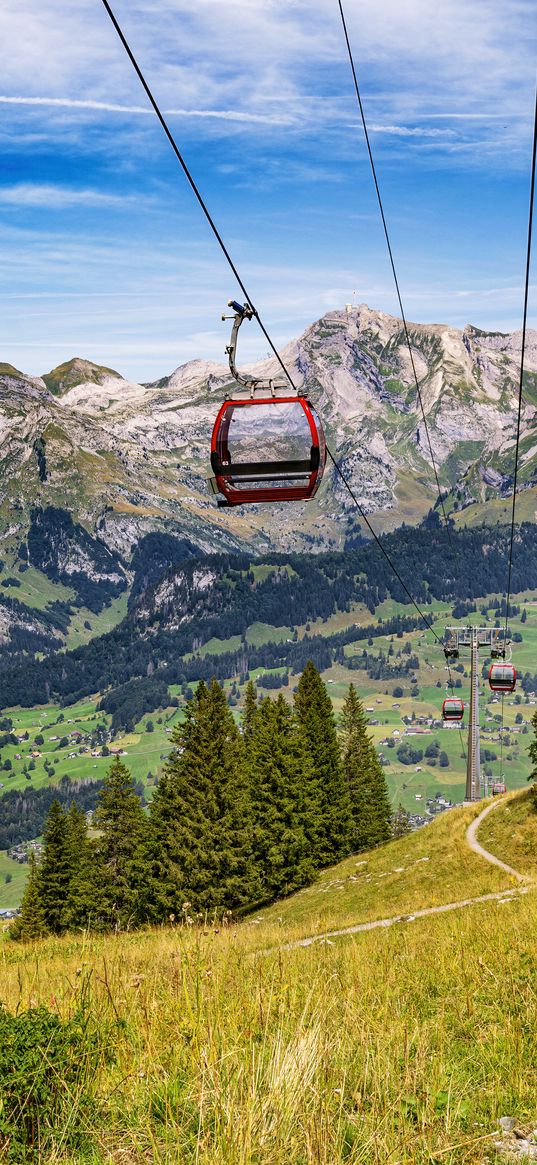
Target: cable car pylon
x=490, y=638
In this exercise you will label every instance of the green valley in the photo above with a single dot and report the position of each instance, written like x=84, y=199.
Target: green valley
x=72, y=736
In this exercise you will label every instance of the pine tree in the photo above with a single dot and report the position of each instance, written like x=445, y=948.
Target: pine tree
x=279, y=771
x=328, y=809
x=86, y=904
x=31, y=921
x=120, y=847
x=401, y=822
x=55, y=869
x=200, y=818
x=249, y=710
x=370, y=803
x=77, y=833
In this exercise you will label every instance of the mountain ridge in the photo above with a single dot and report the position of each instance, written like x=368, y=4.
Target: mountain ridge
x=126, y=458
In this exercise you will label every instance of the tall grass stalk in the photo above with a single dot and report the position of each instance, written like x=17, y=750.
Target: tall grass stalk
x=402, y=1046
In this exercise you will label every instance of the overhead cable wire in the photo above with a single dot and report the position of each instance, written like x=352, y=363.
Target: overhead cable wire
x=407, y=335
x=191, y=181
x=389, y=560
x=522, y=355
x=231, y=264
x=392, y=263
x=400, y=301
x=520, y=399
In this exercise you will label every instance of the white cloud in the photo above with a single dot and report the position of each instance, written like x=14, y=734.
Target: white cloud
x=451, y=116
x=111, y=107
x=446, y=86
x=230, y=115
x=57, y=197
x=405, y=131
x=74, y=103
x=242, y=62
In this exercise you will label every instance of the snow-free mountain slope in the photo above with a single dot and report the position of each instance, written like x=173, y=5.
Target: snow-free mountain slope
x=124, y=458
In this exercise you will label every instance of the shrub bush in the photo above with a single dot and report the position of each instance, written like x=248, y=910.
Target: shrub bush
x=46, y=1068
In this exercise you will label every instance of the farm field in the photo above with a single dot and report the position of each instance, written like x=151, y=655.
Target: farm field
x=12, y=880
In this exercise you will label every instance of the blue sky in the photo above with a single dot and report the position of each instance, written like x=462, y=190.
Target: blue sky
x=104, y=252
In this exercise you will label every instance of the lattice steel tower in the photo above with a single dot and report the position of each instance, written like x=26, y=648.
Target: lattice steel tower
x=474, y=638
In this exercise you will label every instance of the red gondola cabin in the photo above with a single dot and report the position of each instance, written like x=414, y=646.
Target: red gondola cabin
x=498, y=788
x=267, y=450
x=502, y=677
x=452, y=709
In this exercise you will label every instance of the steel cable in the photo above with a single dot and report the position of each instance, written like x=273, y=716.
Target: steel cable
x=398, y=290
x=520, y=396
x=392, y=264
x=522, y=355
x=244, y=290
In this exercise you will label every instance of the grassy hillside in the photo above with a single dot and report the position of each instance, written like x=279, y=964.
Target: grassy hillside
x=512, y=831
x=12, y=880
x=143, y=752
x=428, y=868
x=31, y=587
x=403, y=1045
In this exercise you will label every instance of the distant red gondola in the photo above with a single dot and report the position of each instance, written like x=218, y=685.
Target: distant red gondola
x=452, y=709
x=269, y=449
x=498, y=788
x=502, y=677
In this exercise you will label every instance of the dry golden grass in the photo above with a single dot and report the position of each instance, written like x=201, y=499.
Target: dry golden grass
x=395, y=1047
x=511, y=830
x=402, y=1046
x=428, y=868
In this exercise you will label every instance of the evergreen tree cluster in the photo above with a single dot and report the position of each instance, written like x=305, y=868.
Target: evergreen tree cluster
x=81, y=882
x=128, y=703
x=240, y=816
x=54, y=538
x=23, y=812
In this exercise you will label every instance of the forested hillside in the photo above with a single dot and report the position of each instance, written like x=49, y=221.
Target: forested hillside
x=173, y=617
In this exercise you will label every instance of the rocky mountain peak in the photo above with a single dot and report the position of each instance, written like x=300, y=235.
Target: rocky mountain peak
x=126, y=458
x=75, y=372
x=190, y=380
x=9, y=370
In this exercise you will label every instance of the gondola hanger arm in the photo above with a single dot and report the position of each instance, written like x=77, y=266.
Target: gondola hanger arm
x=243, y=312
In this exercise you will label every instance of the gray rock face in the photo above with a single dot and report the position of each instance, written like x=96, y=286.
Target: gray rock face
x=124, y=458
x=22, y=619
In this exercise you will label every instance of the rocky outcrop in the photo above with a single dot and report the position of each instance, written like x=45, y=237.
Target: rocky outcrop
x=126, y=459
x=67, y=553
